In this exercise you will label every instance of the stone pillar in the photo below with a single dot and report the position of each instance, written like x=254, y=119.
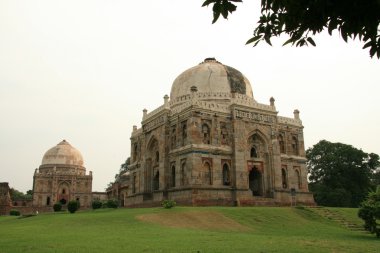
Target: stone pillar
x=296, y=114
x=166, y=101
x=145, y=113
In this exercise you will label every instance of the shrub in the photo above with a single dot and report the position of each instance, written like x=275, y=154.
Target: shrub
x=57, y=207
x=73, y=206
x=168, y=203
x=14, y=212
x=96, y=204
x=112, y=203
x=370, y=212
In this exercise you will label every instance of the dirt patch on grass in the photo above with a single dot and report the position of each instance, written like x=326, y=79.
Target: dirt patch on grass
x=206, y=220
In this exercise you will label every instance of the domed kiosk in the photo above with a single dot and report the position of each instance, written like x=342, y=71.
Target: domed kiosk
x=212, y=143
x=61, y=178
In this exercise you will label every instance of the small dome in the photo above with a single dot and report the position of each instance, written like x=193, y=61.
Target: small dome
x=210, y=76
x=63, y=154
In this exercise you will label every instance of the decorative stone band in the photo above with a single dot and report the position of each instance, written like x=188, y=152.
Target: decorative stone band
x=156, y=111
x=221, y=103
x=240, y=99
x=200, y=96
x=154, y=123
x=289, y=121
x=253, y=116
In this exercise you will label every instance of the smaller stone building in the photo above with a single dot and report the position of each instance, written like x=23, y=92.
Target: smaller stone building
x=61, y=178
x=119, y=189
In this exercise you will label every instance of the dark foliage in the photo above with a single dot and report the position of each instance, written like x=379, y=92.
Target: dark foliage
x=340, y=175
x=112, y=203
x=96, y=204
x=370, y=212
x=17, y=195
x=57, y=207
x=168, y=204
x=14, y=212
x=301, y=19
x=73, y=206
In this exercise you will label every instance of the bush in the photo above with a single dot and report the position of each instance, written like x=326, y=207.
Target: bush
x=14, y=212
x=96, y=204
x=370, y=212
x=73, y=206
x=112, y=203
x=57, y=207
x=168, y=203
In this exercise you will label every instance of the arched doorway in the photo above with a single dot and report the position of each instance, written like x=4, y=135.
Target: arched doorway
x=207, y=176
x=255, y=182
x=63, y=201
x=63, y=193
x=156, y=180
x=152, y=164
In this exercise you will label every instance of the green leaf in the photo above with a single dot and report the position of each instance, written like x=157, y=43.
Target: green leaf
x=367, y=44
x=267, y=39
x=225, y=13
x=372, y=51
x=253, y=39
x=343, y=33
x=311, y=41
x=257, y=42
x=332, y=25
x=288, y=41
x=216, y=16
x=208, y=2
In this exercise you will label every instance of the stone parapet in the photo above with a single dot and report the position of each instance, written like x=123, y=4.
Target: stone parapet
x=289, y=121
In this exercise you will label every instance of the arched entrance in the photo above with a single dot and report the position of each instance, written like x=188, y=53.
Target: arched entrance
x=156, y=180
x=63, y=193
x=255, y=182
x=152, y=166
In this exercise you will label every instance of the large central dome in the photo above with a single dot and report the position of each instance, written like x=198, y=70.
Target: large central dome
x=210, y=76
x=63, y=154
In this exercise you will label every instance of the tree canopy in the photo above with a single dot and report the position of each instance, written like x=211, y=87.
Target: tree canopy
x=301, y=19
x=17, y=195
x=340, y=174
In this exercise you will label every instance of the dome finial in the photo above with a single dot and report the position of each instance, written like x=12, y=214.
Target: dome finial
x=210, y=59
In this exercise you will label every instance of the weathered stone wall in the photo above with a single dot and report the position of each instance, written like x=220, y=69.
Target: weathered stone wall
x=5, y=199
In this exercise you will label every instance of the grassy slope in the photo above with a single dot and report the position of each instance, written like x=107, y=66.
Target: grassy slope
x=270, y=230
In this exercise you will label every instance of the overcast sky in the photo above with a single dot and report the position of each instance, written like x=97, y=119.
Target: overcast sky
x=84, y=71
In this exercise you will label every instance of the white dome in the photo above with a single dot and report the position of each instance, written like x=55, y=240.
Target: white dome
x=210, y=76
x=63, y=154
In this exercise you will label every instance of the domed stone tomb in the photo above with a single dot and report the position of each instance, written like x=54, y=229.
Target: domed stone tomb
x=62, y=177
x=212, y=143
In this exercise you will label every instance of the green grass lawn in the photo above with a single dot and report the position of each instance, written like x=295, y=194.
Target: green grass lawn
x=251, y=229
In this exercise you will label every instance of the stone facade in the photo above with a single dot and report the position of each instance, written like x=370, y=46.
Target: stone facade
x=5, y=199
x=61, y=178
x=119, y=189
x=213, y=144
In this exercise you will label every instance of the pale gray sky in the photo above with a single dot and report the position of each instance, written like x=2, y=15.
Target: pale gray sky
x=84, y=71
